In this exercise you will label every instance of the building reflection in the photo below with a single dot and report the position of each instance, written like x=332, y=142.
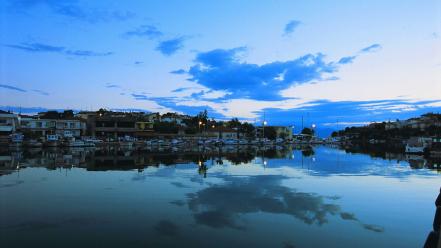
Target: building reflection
x=118, y=158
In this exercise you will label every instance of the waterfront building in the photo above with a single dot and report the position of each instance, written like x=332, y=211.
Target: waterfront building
x=222, y=133
x=8, y=123
x=114, y=125
x=67, y=128
x=70, y=128
x=31, y=126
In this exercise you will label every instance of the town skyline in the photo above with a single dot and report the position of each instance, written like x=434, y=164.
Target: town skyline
x=147, y=57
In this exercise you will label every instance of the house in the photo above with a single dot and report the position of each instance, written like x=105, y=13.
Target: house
x=8, y=123
x=70, y=128
x=147, y=121
x=110, y=124
x=37, y=127
x=422, y=123
x=42, y=127
x=152, y=117
x=114, y=125
x=176, y=118
x=222, y=133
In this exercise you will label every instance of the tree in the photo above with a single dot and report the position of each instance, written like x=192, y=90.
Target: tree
x=67, y=114
x=52, y=114
x=308, y=152
x=203, y=116
x=307, y=131
x=283, y=135
x=247, y=129
x=234, y=123
x=270, y=133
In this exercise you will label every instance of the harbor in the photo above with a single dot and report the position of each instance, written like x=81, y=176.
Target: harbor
x=224, y=191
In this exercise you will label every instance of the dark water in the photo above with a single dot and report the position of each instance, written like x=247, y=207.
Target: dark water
x=321, y=197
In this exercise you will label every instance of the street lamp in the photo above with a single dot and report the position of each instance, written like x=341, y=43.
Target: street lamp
x=313, y=129
x=263, y=130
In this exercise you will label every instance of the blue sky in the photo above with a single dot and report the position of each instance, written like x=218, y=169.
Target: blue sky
x=335, y=63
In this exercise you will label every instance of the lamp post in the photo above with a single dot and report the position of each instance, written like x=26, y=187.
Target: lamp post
x=313, y=129
x=263, y=129
x=292, y=133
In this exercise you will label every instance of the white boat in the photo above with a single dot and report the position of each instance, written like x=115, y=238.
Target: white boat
x=33, y=143
x=230, y=142
x=75, y=143
x=126, y=144
x=127, y=141
x=255, y=142
x=176, y=142
x=94, y=141
x=150, y=142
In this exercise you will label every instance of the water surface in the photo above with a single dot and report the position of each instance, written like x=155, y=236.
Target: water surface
x=284, y=197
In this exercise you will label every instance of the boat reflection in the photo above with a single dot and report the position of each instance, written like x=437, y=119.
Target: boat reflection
x=120, y=158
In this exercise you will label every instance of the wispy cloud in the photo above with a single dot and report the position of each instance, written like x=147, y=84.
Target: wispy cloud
x=371, y=48
x=9, y=87
x=73, y=9
x=86, y=53
x=44, y=93
x=110, y=86
x=291, y=26
x=179, y=72
x=171, y=46
x=147, y=31
x=347, y=60
x=183, y=89
x=45, y=48
x=141, y=97
x=37, y=47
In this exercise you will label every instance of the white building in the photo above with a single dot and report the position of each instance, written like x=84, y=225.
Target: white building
x=8, y=122
x=176, y=118
x=43, y=127
x=70, y=128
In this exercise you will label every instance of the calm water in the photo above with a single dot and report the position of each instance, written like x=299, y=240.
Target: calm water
x=323, y=197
